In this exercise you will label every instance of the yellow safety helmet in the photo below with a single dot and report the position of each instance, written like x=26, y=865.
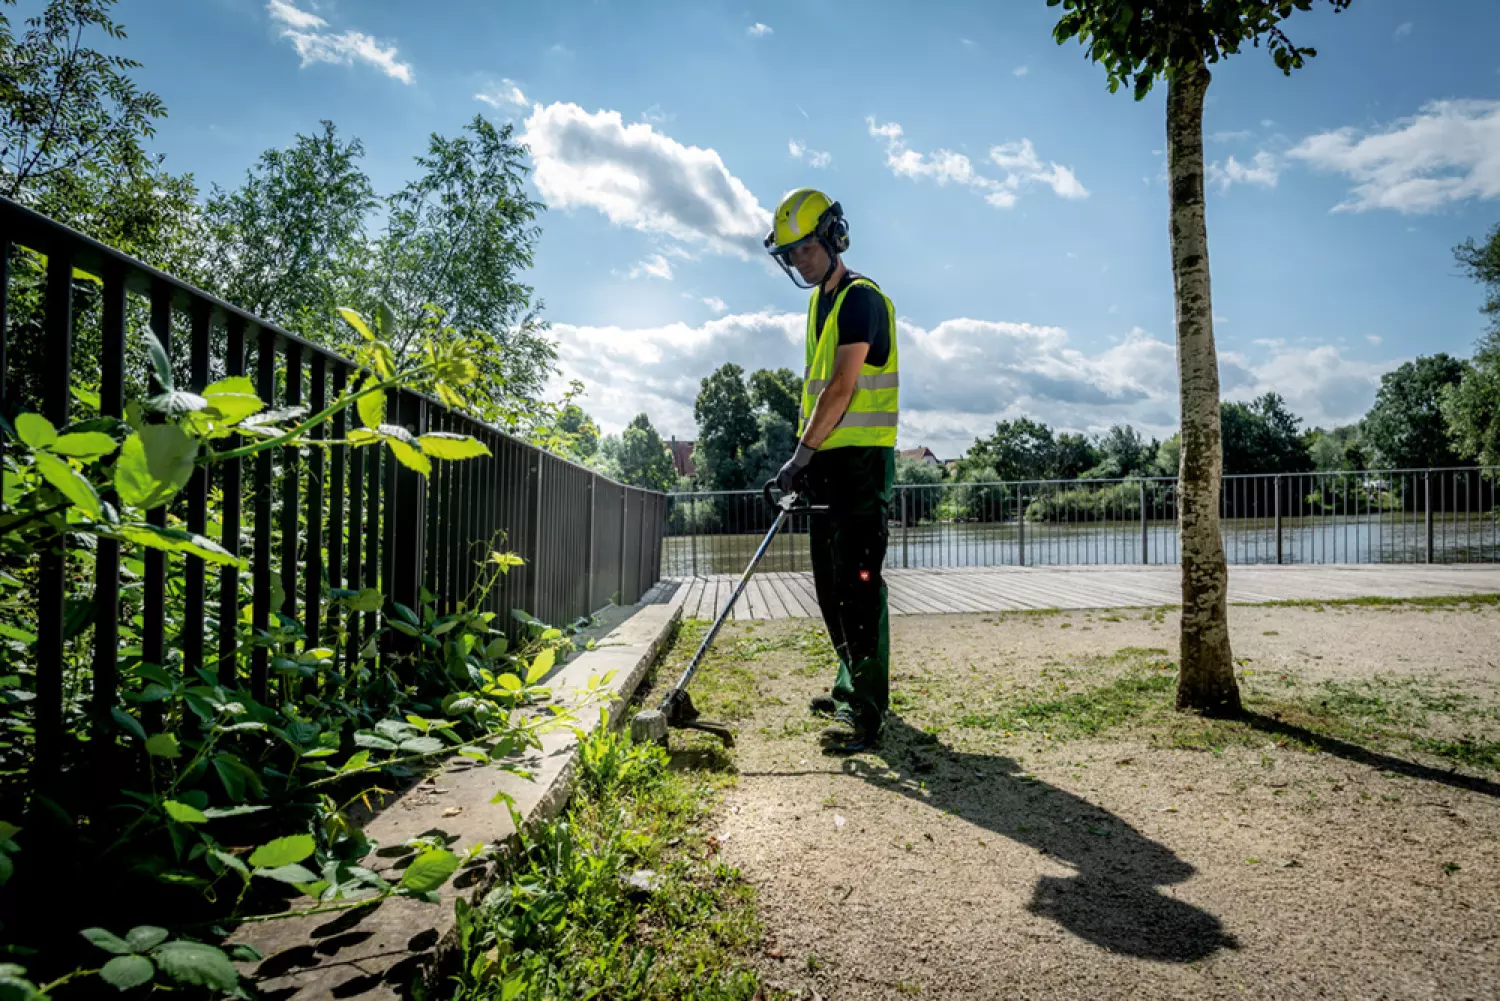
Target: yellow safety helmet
x=801, y=216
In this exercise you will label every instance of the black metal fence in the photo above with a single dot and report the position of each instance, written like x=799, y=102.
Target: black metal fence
x=307, y=520
x=1388, y=516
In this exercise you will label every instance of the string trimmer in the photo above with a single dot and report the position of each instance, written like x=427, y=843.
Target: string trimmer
x=676, y=709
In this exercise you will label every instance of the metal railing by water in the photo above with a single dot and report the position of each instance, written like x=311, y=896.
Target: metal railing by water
x=307, y=521
x=1375, y=516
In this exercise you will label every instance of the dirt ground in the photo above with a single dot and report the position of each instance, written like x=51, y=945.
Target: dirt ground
x=1039, y=823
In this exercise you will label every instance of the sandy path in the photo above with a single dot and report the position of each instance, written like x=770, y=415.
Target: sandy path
x=981, y=864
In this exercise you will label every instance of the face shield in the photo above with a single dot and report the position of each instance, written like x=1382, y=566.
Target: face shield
x=787, y=254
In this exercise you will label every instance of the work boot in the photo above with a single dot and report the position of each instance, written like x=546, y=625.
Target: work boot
x=822, y=705
x=849, y=735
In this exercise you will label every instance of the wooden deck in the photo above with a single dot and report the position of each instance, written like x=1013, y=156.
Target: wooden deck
x=1001, y=589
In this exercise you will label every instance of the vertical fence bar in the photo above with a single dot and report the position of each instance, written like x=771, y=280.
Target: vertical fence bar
x=193, y=606
x=312, y=558
x=229, y=539
x=409, y=524
x=374, y=477
x=260, y=614
x=154, y=586
x=534, y=531
x=337, y=497
x=52, y=562
x=1427, y=510
x=1021, y=524
x=291, y=463
x=1145, y=528
x=353, y=574
x=107, y=554
x=1277, y=502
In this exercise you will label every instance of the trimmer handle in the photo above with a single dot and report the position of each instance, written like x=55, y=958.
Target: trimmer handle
x=788, y=501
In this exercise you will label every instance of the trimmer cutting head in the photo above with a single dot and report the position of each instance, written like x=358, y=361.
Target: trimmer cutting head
x=676, y=712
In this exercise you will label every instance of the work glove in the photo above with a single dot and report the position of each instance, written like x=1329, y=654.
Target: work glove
x=793, y=475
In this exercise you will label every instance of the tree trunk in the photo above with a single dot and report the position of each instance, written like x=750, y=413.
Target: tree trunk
x=1206, y=677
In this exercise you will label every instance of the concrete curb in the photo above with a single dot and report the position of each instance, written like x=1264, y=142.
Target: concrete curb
x=373, y=952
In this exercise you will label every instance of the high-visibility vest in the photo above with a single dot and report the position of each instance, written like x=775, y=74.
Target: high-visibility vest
x=873, y=410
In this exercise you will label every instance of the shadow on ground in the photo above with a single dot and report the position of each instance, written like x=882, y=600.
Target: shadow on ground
x=1113, y=900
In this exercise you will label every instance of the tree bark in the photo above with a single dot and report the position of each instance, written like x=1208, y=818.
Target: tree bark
x=1206, y=675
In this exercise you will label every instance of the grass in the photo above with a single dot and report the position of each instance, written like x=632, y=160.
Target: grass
x=1462, y=602
x=623, y=897
x=1402, y=715
x=732, y=682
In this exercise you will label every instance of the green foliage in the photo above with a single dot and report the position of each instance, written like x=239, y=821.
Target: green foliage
x=580, y=427
x=1471, y=408
x=218, y=765
x=1341, y=449
x=638, y=456
x=1141, y=41
x=1482, y=262
x=1405, y=426
x=727, y=429
x=1262, y=437
x=621, y=898
x=777, y=392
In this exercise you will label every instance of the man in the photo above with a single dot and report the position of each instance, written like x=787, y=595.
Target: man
x=845, y=457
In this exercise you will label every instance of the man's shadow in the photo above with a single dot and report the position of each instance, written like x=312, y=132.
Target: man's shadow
x=1112, y=900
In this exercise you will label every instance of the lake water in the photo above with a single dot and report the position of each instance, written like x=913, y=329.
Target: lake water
x=1389, y=538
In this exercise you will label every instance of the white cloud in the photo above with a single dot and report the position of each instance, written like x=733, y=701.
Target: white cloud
x=306, y=32
x=716, y=304
x=1018, y=160
x=1448, y=152
x=506, y=95
x=1226, y=137
x=642, y=179
x=655, y=266
x=969, y=43
x=1403, y=29
x=758, y=30
x=1266, y=123
x=958, y=378
x=1263, y=170
x=814, y=158
x=1373, y=338
x=292, y=17
x=1021, y=71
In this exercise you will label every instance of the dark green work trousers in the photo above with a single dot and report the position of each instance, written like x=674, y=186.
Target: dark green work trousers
x=848, y=550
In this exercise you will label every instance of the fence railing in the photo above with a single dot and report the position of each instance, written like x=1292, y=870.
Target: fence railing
x=1378, y=516
x=308, y=521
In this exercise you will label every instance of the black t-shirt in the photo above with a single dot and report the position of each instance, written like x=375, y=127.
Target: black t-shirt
x=863, y=319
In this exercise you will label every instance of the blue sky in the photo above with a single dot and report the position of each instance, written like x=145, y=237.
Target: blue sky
x=1011, y=206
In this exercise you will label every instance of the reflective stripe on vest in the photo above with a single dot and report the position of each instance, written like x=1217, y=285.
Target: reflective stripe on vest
x=874, y=411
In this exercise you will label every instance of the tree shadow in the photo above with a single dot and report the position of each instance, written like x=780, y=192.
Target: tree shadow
x=1112, y=900
x=1371, y=759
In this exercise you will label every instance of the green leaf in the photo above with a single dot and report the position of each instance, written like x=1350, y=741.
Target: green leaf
x=497, y=647
x=197, y=964
x=429, y=871
x=85, y=445
x=234, y=398
x=7, y=868
x=36, y=430
x=245, y=953
x=154, y=464
x=184, y=814
x=364, y=436
x=371, y=741
x=444, y=445
x=409, y=457
x=405, y=612
x=128, y=723
x=177, y=402
x=283, y=851
x=80, y=275
x=509, y=682
x=422, y=745
x=368, y=600
x=506, y=560
x=159, y=360
x=540, y=665
x=386, y=320
x=357, y=322
x=215, y=812
x=125, y=972
x=69, y=483
x=8, y=830
x=232, y=861
x=175, y=540
x=12, y=632
x=356, y=761
x=293, y=874
x=108, y=941
x=88, y=397
x=162, y=745
x=144, y=938
x=371, y=407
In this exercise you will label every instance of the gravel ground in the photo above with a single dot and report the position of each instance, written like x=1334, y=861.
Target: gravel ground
x=985, y=860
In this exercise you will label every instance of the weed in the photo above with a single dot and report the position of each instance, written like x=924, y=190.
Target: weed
x=622, y=897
